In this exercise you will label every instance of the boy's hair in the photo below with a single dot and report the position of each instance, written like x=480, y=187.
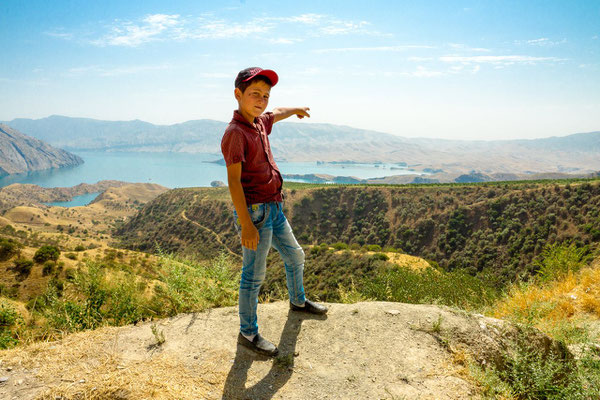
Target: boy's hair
x=259, y=78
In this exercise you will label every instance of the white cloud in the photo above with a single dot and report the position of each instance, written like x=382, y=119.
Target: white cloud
x=375, y=48
x=309, y=19
x=336, y=27
x=423, y=72
x=461, y=46
x=60, y=35
x=420, y=59
x=115, y=71
x=173, y=27
x=283, y=40
x=131, y=34
x=503, y=60
x=541, y=42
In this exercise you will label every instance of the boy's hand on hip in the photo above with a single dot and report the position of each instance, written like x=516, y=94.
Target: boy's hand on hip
x=250, y=236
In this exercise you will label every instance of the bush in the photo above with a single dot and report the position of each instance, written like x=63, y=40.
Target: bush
x=373, y=247
x=190, y=286
x=23, y=266
x=70, y=274
x=79, y=248
x=49, y=267
x=9, y=319
x=529, y=373
x=71, y=256
x=405, y=285
x=8, y=229
x=558, y=260
x=8, y=248
x=46, y=253
x=340, y=246
x=380, y=256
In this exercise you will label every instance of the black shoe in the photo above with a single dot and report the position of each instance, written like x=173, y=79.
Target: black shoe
x=310, y=307
x=259, y=345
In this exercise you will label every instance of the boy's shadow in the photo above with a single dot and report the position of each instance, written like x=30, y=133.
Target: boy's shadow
x=281, y=371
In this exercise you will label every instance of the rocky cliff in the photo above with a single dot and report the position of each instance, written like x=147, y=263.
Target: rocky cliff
x=21, y=153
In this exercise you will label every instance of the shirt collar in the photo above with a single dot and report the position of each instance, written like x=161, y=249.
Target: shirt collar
x=237, y=116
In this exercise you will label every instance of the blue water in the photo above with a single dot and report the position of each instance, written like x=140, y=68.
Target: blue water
x=82, y=200
x=176, y=170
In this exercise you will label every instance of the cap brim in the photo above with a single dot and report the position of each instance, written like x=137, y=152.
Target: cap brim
x=272, y=75
x=269, y=73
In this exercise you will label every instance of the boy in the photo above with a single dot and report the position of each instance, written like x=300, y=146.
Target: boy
x=255, y=187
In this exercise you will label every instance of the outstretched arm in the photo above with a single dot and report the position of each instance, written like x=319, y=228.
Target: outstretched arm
x=283, y=112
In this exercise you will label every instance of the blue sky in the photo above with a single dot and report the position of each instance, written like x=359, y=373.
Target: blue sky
x=441, y=69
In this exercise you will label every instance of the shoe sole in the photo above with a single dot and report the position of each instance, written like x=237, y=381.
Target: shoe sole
x=257, y=350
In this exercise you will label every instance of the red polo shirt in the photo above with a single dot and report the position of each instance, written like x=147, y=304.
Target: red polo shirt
x=249, y=144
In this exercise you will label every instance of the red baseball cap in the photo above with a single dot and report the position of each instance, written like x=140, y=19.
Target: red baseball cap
x=246, y=74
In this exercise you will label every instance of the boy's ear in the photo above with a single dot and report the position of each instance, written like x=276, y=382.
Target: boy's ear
x=238, y=94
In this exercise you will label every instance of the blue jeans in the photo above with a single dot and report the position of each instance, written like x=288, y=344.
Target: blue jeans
x=274, y=230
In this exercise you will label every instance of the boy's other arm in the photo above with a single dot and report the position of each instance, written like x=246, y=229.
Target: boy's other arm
x=250, y=235
x=280, y=113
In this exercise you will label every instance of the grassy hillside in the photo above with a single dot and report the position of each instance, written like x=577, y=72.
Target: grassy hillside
x=492, y=229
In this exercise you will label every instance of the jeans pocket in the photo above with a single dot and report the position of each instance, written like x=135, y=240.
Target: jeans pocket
x=258, y=213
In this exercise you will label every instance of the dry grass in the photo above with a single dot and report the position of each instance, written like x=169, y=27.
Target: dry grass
x=87, y=365
x=571, y=299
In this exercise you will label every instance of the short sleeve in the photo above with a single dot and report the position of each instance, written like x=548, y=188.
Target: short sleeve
x=267, y=120
x=232, y=147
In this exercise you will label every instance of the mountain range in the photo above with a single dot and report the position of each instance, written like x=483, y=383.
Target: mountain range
x=576, y=153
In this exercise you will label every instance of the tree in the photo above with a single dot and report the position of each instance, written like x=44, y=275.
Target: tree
x=46, y=253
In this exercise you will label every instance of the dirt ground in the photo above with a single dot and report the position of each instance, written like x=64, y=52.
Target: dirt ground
x=372, y=350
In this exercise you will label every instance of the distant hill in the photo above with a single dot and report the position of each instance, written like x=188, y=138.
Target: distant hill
x=21, y=153
x=578, y=153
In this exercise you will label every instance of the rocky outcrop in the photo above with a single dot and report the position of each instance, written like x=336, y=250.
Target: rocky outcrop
x=21, y=153
x=372, y=350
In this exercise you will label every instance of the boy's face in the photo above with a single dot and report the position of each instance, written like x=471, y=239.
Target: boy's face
x=254, y=100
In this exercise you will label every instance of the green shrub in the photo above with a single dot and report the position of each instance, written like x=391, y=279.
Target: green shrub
x=70, y=274
x=9, y=319
x=373, y=247
x=560, y=259
x=340, y=246
x=529, y=373
x=405, y=285
x=46, y=253
x=79, y=248
x=71, y=256
x=9, y=248
x=8, y=229
x=49, y=267
x=191, y=286
x=23, y=266
x=380, y=256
